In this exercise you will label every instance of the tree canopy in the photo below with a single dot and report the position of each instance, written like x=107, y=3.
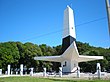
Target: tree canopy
x=16, y=53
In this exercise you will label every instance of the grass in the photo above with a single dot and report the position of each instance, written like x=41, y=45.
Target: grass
x=36, y=79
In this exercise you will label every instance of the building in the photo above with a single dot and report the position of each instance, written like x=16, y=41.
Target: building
x=70, y=57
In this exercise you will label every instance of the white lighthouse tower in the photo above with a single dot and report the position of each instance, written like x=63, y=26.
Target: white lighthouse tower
x=70, y=57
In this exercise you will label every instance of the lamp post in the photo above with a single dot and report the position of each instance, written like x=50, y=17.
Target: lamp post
x=108, y=14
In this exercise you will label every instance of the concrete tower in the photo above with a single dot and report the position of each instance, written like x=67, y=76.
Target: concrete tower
x=70, y=57
x=69, y=34
x=69, y=37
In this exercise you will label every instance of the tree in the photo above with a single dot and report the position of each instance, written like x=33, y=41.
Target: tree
x=9, y=54
x=16, y=53
x=27, y=53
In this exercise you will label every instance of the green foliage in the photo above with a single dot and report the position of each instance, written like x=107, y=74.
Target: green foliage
x=16, y=53
x=9, y=54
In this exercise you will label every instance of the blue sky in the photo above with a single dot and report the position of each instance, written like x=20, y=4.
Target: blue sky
x=41, y=21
